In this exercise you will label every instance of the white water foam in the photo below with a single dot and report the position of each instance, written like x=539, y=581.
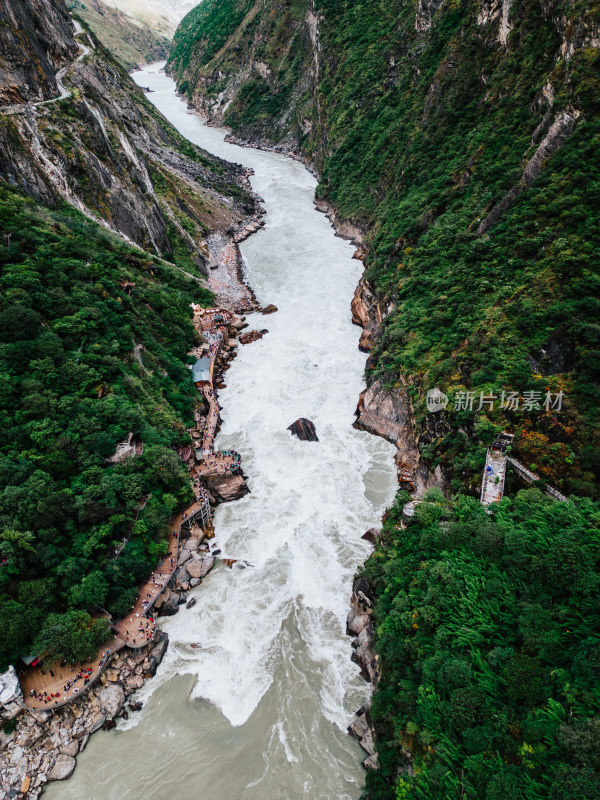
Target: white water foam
x=274, y=658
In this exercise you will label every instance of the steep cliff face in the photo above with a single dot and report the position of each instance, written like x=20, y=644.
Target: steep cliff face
x=460, y=140
x=250, y=65
x=131, y=42
x=36, y=40
x=106, y=150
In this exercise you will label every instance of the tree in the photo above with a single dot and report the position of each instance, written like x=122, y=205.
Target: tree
x=73, y=636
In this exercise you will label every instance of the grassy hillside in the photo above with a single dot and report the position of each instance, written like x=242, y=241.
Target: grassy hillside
x=131, y=43
x=93, y=343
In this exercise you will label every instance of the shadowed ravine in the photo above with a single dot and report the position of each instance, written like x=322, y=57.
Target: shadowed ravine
x=260, y=711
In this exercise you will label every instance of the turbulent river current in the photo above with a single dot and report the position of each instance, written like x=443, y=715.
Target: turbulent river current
x=260, y=711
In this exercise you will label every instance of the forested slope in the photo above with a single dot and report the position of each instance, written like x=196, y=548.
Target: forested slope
x=487, y=630
x=249, y=64
x=93, y=343
x=94, y=332
x=462, y=139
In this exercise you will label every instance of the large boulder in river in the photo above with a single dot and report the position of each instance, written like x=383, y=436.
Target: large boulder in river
x=62, y=769
x=226, y=487
x=252, y=336
x=200, y=566
x=304, y=429
x=270, y=309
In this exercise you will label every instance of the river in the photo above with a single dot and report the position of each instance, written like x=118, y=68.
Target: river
x=260, y=712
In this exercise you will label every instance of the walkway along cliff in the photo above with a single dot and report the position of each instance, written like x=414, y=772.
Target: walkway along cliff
x=98, y=689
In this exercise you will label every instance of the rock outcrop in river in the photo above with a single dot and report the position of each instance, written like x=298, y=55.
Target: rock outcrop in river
x=304, y=429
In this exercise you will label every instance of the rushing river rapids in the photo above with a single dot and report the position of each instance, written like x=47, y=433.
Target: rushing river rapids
x=260, y=711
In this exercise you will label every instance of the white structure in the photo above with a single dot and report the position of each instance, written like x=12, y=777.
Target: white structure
x=492, y=485
x=11, y=696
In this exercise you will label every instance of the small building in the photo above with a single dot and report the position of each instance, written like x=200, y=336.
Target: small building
x=503, y=441
x=201, y=371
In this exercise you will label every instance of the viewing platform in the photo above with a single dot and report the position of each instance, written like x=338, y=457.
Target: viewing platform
x=494, y=473
x=54, y=687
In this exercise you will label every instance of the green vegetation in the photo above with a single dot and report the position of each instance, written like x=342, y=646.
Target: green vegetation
x=206, y=28
x=421, y=122
x=94, y=336
x=130, y=43
x=418, y=132
x=72, y=637
x=426, y=133
x=487, y=629
x=270, y=38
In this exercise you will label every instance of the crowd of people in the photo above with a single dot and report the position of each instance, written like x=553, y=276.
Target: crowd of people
x=145, y=633
x=85, y=674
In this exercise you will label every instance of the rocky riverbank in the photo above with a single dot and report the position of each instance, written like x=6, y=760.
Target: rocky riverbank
x=41, y=745
x=359, y=625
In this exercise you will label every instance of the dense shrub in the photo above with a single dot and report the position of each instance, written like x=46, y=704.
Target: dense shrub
x=74, y=303
x=489, y=655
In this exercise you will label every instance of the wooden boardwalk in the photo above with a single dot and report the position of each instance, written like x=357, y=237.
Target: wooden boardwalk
x=135, y=630
x=212, y=323
x=52, y=689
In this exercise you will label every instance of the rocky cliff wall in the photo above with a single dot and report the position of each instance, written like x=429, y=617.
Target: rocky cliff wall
x=36, y=40
x=107, y=151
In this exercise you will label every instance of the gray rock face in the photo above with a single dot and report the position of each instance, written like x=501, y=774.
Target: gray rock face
x=356, y=622
x=368, y=313
x=171, y=607
x=70, y=749
x=108, y=136
x=226, y=488
x=181, y=575
x=96, y=723
x=361, y=730
x=10, y=689
x=562, y=126
x=385, y=412
x=160, y=647
x=112, y=699
x=388, y=413
x=62, y=769
x=36, y=39
x=200, y=566
x=359, y=625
